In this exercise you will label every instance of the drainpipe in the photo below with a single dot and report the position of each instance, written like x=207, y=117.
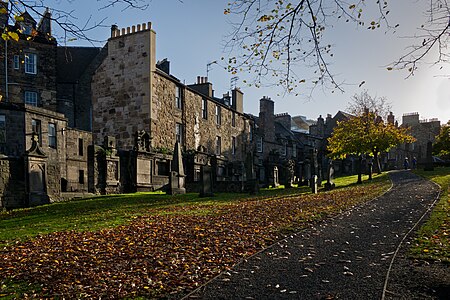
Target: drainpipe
x=6, y=71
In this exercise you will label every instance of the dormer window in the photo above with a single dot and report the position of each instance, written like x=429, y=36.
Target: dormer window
x=26, y=28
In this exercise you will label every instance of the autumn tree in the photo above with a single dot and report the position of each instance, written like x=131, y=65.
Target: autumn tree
x=441, y=147
x=67, y=21
x=272, y=37
x=366, y=133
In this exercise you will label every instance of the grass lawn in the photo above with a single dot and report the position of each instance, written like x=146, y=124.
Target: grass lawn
x=433, y=241
x=153, y=245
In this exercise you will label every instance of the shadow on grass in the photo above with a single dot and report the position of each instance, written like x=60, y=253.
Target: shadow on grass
x=112, y=210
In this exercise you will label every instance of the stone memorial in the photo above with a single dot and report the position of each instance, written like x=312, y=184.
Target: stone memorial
x=329, y=185
x=206, y=181
x=307, y=171
x=370, y=168
x=275, y=181
x=313, y=184
x=177, y=176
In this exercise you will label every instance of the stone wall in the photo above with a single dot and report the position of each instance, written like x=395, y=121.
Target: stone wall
x=121, y=96
x=43, y=82
x=15, y=122
x=12, y=183
x=77, y=142
x=56, y=157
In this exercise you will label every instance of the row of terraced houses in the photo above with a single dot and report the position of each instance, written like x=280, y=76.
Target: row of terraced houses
x=77, y=120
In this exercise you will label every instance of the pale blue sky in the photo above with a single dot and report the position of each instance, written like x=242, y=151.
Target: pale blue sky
x=191, y=34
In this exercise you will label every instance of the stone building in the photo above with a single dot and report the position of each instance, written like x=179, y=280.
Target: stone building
x=277, y=149
x=423, y=131
x=35, y=163
x=135, y=95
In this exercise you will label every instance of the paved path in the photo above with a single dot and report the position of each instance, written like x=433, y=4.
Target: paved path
x=343, y=258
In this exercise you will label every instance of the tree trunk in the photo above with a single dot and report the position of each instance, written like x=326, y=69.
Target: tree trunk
x=359, y=169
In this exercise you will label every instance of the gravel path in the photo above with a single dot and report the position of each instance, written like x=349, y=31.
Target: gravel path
x=347, y=257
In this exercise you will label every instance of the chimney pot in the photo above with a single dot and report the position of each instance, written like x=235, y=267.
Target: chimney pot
x=144, y=26
x=133, y=29
x=139, y=27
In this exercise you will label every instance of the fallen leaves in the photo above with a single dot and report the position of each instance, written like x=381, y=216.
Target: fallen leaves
x=168, y=252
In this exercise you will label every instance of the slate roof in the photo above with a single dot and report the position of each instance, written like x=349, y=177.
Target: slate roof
x=73, y=61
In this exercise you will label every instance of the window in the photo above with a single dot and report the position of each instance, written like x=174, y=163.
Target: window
x=284, y=150
x=179, y=133
x=205, y=109
x=218, y=145
x=30, y=63
x=233, y=119
x=81, y=176
x=259, y=144
x=36, y=128
x=2, y=129
x=178, y=103
x=52, y=135
x=294, y=150
x=80, y=147
x=233, y=145
x=16, y=62
x=218, y=115
x=31, y=98
x=250, y=132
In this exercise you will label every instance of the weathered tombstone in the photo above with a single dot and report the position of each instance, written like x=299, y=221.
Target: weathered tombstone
x=300, y=173
x=329, y=185
x=177, y=176
x=313, y=184
x=36, y=164
x=315, y=163
x=289, y=171
x=370, y=168
x=307, y=171
x=429, y=159
x=275, y=182
x=252, y=182
x=206, y=181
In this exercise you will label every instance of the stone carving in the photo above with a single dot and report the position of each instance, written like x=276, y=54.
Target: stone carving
x=329, y=185
x=177, y=176
x=142, y=141
x=289, y=172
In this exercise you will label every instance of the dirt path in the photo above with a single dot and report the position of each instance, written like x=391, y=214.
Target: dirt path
x=343, y=258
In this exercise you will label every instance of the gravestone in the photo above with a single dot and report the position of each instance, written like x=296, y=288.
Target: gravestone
x=252, y=182
x=429, y=159
x=370, y=168
x=36, y=164
x=329, y=185
x=307, y=171
x=177, y=176
x=275, y=180
x=206, y=181
x=313, y=184
x=289, y=168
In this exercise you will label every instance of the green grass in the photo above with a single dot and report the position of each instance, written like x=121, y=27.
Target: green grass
x=109, y=211
x=433, y=241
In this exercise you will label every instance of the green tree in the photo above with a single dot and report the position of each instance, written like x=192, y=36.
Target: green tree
x=271, y=37
x=441, y=147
